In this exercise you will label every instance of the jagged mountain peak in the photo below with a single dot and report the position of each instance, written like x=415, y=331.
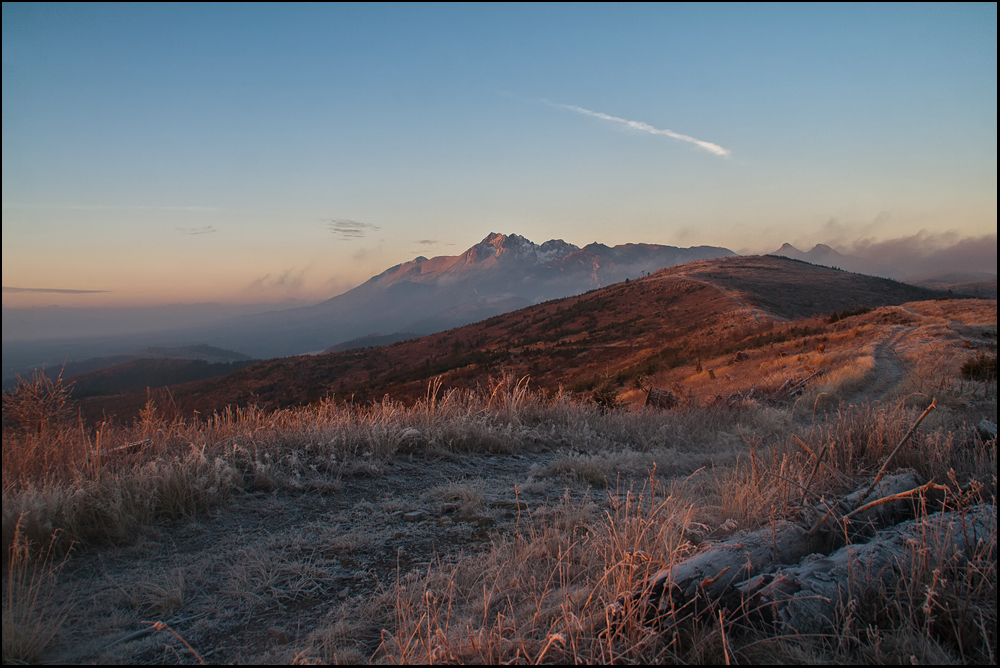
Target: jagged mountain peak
x=502, y=243
x=516, y=248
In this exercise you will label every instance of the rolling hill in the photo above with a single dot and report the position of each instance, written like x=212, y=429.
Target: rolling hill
x=142, y=373
x=502, y=273
x=82, y=371
x=621, y=332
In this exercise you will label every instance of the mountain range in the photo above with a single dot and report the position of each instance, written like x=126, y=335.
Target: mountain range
x=499, y=274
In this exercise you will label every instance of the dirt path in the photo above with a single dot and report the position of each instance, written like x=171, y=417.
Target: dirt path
x=889, y=372
x=755, y=313
x=273, y=566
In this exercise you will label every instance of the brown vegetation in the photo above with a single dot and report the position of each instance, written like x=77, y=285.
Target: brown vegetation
x=662, y=322
x=515, y=522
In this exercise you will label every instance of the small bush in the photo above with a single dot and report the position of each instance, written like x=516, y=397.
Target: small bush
x=606, y=396
x=982, y=367
x=37, y=404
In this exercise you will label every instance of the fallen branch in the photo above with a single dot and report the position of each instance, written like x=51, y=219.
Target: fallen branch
x=660, y=398
x=712, y=573
x=806, y=598
x=896, y=497
x=788, y=389
x=714, y=570
x=897, y=484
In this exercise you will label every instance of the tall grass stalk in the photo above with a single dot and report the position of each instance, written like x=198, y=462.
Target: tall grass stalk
x=31, y=618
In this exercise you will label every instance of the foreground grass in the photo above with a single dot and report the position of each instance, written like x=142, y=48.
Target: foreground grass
x=30, y=615
x=540, y=592
x=92, y=486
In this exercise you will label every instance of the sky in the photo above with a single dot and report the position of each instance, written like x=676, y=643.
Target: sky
x=267, y=153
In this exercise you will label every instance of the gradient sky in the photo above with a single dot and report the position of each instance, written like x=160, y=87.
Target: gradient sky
x=183, y=153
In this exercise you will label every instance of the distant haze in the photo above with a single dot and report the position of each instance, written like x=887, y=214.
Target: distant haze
x=501, y=273
x=924, y=255
x=57, y=322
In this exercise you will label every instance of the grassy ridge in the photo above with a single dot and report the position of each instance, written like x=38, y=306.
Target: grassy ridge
x=700, y=309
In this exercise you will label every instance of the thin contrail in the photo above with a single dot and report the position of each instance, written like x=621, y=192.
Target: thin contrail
x=646, y=127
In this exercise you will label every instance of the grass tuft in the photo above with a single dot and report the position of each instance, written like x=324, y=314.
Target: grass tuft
x=31, y=618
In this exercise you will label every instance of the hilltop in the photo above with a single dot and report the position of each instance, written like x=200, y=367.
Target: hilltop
x=624, y=331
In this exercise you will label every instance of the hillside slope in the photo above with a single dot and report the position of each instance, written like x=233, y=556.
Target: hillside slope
x=502, y=273
x=623, y=331
x=139, y=374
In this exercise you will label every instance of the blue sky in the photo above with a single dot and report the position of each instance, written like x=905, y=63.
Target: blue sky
x=168, y=153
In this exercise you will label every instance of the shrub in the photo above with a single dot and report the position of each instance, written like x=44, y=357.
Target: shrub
x=982, y=367
x=36, y=404
x=606, y=395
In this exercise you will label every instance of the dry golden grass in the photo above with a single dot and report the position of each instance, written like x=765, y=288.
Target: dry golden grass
x=911, y=352
x=539, y=593
x=31, y=616
x=101, y=485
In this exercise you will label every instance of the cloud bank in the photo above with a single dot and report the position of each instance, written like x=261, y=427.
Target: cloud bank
x=927, y=254
x=645, y=127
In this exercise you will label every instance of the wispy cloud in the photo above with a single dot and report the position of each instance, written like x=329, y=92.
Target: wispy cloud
x=287, y=280
x=428, y=242
x=58, y=291
x=109, y=207
x=646, y=127
x=347, y=230
x=207, y=229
